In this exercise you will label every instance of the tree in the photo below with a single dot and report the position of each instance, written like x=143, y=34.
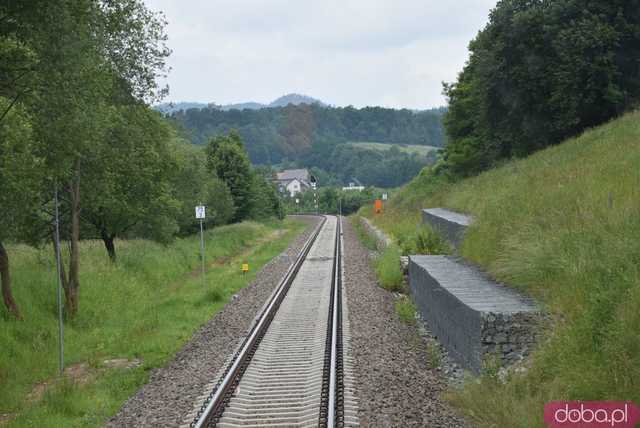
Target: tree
x=227, y=160
x=541, y=71
x=194, y=185
x=19, y=181
x=85, y=53
x=265, y=201
x=129, y=177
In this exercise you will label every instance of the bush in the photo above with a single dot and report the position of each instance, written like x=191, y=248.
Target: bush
x=406, y=309
x=424, y=241
x=434, y=355
x=388, y=269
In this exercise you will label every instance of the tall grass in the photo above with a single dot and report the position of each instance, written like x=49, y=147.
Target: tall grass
x=367, y=239
x=563, y=226
x=388, y=269
x=146, y=306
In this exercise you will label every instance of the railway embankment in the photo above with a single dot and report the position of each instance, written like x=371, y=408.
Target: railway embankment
x=561, y=227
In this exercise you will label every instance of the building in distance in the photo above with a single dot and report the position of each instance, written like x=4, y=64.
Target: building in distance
x=293, y=181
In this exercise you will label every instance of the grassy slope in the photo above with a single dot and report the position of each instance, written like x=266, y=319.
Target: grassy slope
x=407, y=148
x=563, y=225
x=146, y=307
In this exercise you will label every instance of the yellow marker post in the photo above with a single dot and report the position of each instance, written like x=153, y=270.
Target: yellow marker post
x=245, y=268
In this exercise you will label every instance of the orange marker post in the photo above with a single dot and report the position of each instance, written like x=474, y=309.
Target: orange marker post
x=378, y=206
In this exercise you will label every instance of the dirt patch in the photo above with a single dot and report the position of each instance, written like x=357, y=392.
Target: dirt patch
x=5, y=418
x=122, y=363
x=80, y=374
x=220, y=261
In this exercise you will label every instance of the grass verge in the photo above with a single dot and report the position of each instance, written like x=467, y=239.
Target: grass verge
x=368, y=240
x=563, y=226
x=146, y=308
x=406, y=309
x=387, y=263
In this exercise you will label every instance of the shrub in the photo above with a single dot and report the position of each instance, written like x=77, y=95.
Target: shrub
x=424, y=241
x=434, y=355
x=388, y=269
x=406, y=309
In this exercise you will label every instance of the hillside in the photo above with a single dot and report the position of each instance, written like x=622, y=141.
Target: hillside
x=168, y=108
x=562, y=226
x=295, y=99
x=276, y=134
x=285, y=100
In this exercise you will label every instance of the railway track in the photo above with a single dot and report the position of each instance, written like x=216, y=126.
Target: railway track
x=292, y=369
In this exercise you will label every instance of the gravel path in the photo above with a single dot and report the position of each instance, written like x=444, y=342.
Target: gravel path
x=172, y=390
x=395, y=386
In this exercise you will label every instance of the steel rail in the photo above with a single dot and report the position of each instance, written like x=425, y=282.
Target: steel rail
x=217, y=400
x=331, y=410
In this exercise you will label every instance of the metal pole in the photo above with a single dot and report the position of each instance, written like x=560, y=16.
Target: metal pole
x=59, y=268
x=204, y=283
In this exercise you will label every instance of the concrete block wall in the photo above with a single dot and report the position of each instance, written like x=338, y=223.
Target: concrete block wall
x=472, y=316
x=449, y=224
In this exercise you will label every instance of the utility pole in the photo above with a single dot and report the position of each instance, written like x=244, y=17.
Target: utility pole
x=59, y=268
x=314, y=185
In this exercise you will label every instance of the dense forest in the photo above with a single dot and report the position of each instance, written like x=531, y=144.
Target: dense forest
x=77, y=136
x=315, y=136
x=539, y=72
x=338, y=164
x=279, y=133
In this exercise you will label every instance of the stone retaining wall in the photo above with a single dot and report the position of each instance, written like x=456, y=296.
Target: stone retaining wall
x=449, y=224
x=473, y=317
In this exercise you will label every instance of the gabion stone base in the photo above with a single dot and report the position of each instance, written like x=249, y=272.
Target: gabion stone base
x=449, y=224
x=472, y=316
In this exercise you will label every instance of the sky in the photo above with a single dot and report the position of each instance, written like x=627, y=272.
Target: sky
x=390, y=53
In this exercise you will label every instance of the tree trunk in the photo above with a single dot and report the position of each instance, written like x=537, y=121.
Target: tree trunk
x=5, y=279
x=71, y=291
x=109, y=244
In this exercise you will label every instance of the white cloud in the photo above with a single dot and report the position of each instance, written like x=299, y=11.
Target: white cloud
x=358, y=52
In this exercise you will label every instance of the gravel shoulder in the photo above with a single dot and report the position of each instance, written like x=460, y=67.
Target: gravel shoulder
x=172, y=391
x=395, y=385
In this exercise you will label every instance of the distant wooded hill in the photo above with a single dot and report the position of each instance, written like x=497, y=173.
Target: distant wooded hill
x=284, y=100
x=275, y=135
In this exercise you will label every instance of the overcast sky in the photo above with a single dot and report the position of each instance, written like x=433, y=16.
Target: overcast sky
x=392, y=53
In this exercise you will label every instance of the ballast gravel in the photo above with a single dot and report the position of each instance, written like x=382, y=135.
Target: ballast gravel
x=395, y=385
x=171, y=392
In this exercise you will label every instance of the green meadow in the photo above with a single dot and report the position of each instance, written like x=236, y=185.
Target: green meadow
x=141, y=310
x=406, y=148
